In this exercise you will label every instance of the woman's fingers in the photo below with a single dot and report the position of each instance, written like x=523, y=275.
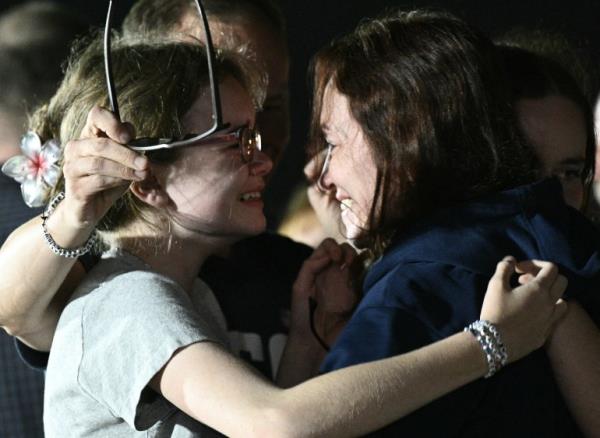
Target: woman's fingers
x=349, y=254
x=558, y=288
x=311, y=268
x=95, y=183
x=504, y=271
x=85, y=166
x=104, y=148
x=547, y=273
x=526, y=314
x=332, y=249
x=103, y=123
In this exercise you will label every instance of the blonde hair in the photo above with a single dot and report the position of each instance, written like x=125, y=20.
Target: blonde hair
x=156, y=82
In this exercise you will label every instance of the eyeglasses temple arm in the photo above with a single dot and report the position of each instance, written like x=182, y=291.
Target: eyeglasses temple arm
x=210, y=55
x=110, y=84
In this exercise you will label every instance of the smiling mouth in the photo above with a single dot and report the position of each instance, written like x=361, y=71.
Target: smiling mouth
x=252, y=196
x=346, y=204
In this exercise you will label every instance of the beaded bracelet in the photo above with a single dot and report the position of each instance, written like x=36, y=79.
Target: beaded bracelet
x=55, y=247
x=491, y=343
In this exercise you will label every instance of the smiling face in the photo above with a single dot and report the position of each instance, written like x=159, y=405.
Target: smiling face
x=211, y=190
x=352, y=172
x=556, y=128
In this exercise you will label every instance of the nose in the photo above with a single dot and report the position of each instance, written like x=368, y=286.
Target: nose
x=261, y=164
x=323, y=182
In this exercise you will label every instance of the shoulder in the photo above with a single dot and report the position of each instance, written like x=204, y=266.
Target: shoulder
x=129, y=286
x=117, y=289
x=440, y=295
x=417, y=279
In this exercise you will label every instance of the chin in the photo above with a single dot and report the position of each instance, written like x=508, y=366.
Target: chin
x=352, y=231
x=249, y=228
x=355, y=235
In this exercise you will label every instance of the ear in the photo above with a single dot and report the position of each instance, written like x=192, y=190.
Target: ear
x=150, y=192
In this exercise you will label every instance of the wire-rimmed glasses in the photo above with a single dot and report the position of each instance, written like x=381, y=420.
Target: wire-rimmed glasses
x=324, y=169
x=248, y=138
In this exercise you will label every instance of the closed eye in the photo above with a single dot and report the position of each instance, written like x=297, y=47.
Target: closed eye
x=569, y=173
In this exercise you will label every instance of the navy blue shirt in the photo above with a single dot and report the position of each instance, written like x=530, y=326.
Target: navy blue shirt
x=431, y=283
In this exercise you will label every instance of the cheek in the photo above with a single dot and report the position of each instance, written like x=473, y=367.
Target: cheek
x=573, y=193
x=367, y=176
x=207, y=181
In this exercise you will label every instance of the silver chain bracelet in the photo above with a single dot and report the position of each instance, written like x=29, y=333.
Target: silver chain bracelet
x=491, y=343
x=55, y=247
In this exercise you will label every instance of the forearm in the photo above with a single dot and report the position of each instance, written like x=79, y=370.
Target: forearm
x=32, y=274
x=218, y=389
x=574, y=352
x=300, y=360
x=363, y=398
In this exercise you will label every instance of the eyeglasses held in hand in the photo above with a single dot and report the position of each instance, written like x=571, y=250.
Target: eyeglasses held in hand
x=248, y=138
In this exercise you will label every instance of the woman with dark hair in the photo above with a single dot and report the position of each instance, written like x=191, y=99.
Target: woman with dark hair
x=426, y=158
x=556, y=118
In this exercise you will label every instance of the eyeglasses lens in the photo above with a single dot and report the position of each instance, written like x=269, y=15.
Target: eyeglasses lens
x=250, y=142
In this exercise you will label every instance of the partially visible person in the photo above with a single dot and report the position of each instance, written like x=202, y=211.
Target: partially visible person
x=254, y=277
x=568, y=76
x=425, y=155
x=556, y=118
x=34, y=41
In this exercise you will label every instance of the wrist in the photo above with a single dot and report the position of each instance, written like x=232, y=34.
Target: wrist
x=477, y=363
x=490, y=341
x=306, y=345
x=72, y=213
x=65, y=228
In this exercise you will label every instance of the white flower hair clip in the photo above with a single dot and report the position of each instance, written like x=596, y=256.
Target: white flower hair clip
x=36, y=170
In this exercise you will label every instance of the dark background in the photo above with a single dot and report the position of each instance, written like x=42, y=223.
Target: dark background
x=312, y=23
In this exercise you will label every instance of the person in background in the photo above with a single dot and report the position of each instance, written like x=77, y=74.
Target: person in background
x=556, y=118
x=34, y=41
x=556, y=84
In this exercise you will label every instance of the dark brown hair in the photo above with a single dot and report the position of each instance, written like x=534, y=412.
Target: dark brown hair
x=430, y=95
x=533, y=76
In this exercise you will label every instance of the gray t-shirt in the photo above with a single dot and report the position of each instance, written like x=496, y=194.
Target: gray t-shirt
x=122, y=326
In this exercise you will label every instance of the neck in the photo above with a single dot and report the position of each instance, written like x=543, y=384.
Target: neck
x=175, y=257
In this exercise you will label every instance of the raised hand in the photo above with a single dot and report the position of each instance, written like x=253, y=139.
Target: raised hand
x=525, y=315
x=329, y=278
x=98, y=168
